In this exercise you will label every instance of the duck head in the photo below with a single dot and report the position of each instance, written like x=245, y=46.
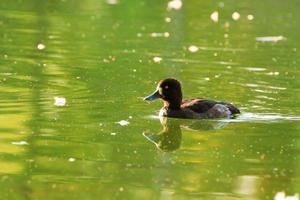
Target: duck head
x=169, y=90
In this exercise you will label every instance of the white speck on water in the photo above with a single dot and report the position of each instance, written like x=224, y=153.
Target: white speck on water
x=193, y=48
x=121, y=189
x=250, y=17
x=157, y=59
x=123, y=122
x=71, y=159
x=112, y=2
x=255, y=69
x=5, y=56
x=214, y=16
x=270, y=38
x=130, y=117
x=20, y=143
x=236, y=16
x=273, y=73
x=139, y=35
x=60, y=101
x=207, y=78
x=168, y=19
x=174, y=5
x=41, y=46
x=165, y=34
x=134, y=70
x=113, y=134
x=226, y=35
x=283, y=196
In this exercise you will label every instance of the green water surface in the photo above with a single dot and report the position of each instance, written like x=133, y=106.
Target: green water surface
x=98, y=56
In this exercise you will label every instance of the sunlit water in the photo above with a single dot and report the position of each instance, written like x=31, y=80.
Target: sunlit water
x=73, y=124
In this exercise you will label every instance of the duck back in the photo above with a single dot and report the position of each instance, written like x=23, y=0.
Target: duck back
x=203, y=105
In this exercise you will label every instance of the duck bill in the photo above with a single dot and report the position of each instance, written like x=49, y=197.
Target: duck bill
x=153, y=96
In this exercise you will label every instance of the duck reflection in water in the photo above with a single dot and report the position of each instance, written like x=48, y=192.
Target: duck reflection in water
x=169, y=138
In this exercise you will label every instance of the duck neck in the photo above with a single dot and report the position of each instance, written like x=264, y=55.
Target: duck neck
x=174, y=104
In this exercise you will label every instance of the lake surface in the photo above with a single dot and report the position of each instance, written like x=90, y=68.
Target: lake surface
x=73, y=124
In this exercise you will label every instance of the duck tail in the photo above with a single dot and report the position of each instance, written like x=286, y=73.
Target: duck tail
x=234, y=110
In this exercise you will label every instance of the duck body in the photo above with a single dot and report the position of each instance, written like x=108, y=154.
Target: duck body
x=201, y=109
x=169, y=90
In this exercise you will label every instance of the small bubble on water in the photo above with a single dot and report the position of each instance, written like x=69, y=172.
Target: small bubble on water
x=123, y=122
x=214, y=16
x=250, y=17
x=41, y=46
x=157, y=59
x=71, y=159
x=60, y=101
x=236, y=16
x=193, y=48
x=174, y=5
x=121, y=189
x=168, y=19
x=113, y=134
x=112, y=2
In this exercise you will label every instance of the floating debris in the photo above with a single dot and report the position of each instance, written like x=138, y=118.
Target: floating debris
x=71, y=159
x=112, y=2
x=41, y=46
x=165, y=34
x=157, y=59
x=193, y=48
x=273, y=73
x=123, y=123
x=235, y=16
x=255, y=69
x=113, y=134
x=270, y=38
x=214, y=16
x=168, y=19
x=20, y=143
x=250, y=17
x=174, y=5
x=60, y=101
x=282, y=196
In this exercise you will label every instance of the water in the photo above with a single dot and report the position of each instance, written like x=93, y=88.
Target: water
x=74, y=126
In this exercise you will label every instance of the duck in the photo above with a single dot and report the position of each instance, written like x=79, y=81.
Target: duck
x=169, y=91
